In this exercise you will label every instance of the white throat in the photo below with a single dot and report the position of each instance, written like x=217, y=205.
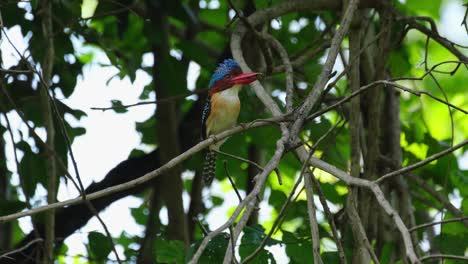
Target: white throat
x=231, y=93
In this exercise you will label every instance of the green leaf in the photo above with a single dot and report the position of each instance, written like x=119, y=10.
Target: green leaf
x=32, y=169
x=147, y=131
x=169, y=251
x=118, y=107
x=214, y=252
x=251, y=240
x=140, y=214
x=386, y=254
x=298, y=250
x=217, y=201
x=452, y=244
x=99, y=246
x=430, y=8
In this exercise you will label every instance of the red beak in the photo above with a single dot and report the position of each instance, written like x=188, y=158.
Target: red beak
x=246, y=78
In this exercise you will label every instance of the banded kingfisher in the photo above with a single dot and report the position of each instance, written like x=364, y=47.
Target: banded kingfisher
x=222, y=108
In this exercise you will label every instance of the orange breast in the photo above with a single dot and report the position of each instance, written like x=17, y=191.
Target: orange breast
x=225, y=107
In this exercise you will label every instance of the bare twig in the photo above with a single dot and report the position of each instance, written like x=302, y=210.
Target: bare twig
x=442, y=256
x=366, y=87
x=232, y=181
x=421, y=163
x=437, y=195
x=435, y=36
x=458, y=219
x=233, y=245
x=253, y=163
x=314, y=231
x=288, y=69
x=202, y=227
x=167, y=99
x=6, y=255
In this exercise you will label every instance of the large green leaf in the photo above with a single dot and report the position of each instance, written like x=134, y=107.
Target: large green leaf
x=99, y=246
x=169, y=251
x=251, y=240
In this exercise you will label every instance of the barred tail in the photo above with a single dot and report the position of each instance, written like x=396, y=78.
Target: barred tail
x=209, y=167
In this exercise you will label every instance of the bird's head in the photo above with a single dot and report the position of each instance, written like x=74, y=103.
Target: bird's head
x=229, y=74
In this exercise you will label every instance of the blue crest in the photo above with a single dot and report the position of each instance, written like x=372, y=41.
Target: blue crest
x=223, y=68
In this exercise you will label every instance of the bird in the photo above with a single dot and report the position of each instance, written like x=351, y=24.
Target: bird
x=222, y=108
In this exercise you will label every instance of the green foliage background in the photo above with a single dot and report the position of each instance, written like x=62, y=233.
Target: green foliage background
x=428, y=126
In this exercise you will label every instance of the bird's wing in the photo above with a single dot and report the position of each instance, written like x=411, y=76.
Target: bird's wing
x=205, y=114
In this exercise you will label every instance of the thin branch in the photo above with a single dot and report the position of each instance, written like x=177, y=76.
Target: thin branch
x=437, y=195
x=421, y=163
x=167, y=99
x=366, y=87
x=314, y=231
x=231, y=181
x=253, y=163
x=441, y=256
x=202, y=227
x=288, y=69
x=233, y=245
x=458, y=219
x=6, y=255
x=435, y=36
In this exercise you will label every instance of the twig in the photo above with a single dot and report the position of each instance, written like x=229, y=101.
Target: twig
x=202, y=227
x=253, y=163
x=435, y=36
x=464, y=23
x=231, y=180
x=6, y=255
x=233, y=245
x=378, y=195
x=437, y=195
x=366, y=87
x=167, y=99
x=459, y=219
x=314, y=231
x=358, y=229
x=288, y=69
x=442, y=256
x=421, y=163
